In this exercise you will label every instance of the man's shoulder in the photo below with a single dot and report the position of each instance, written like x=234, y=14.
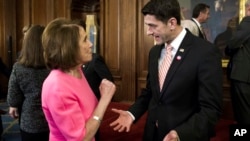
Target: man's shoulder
x=244, y=24
x=187, y=21
x=246, y=18
x=189, y=24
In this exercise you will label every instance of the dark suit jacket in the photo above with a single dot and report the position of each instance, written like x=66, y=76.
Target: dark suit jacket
x=241, y=54
x=95, y=71
x=191, y=99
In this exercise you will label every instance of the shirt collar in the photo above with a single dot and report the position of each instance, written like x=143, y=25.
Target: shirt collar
x=196, y=22
x=177, y=41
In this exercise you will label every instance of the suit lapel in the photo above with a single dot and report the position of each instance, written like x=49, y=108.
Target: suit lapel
x=179, y=57
x=154, y=59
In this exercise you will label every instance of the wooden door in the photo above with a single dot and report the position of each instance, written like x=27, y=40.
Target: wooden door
x=14, y=15
x=125, y=45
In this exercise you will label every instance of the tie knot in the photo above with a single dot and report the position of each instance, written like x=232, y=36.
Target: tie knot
x=169, y=47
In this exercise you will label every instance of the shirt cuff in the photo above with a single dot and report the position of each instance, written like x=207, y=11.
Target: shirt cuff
x=131, y=115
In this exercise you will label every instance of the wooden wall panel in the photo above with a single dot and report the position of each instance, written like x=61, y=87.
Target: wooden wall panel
x=109, y=42
x=8, y=36
x=18, y=13
x=9, y=30
x=145, y=43
x=43, y=11
x=57, y=8
x=39, y=12
x=2, y=30
x=119, y=45
x=111, y=35
x=25, y=14
x=3, y=80
x=22, y=19
x=62, y=8
x=49, y=10
x=127, y=47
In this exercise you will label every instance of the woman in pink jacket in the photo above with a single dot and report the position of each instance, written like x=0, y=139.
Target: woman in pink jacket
x=69, y=104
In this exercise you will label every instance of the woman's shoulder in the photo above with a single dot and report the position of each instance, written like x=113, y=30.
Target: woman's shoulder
x=21, y=68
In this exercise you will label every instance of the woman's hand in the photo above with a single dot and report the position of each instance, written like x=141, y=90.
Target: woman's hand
x=107, y=89
x=13, y=111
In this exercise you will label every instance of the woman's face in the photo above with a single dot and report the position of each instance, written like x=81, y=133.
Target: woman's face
x=85, y=47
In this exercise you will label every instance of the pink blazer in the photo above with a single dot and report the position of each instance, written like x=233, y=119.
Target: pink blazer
x=67, y=103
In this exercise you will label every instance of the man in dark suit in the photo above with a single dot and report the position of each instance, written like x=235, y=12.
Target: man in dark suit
x=239, y=48
x=95, y=71
x=200, y=15
x=189, y=104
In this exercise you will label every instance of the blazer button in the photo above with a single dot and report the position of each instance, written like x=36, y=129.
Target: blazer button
x=156, y=123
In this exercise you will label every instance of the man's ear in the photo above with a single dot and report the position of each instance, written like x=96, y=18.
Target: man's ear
x=172, y=22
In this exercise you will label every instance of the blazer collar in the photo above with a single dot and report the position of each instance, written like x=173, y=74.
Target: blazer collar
x=178, y=59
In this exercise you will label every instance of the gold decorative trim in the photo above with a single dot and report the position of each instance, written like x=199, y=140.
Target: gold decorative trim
x=241, y=9
x=224, y=63
x=92, y=31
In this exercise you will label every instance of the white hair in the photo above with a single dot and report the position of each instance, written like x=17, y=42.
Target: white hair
x=247, y=3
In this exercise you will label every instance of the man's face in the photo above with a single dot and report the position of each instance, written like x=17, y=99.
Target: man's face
x=247, y=9
x=205, y=15
x=159, y=30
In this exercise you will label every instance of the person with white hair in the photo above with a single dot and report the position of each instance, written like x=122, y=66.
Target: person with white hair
x=238, y=48
x=247, y=8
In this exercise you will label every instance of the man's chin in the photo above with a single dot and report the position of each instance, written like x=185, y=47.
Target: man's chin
x=158, y=42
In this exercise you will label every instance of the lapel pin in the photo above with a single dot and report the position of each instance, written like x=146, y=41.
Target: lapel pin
x=178, y=57
x=182, y=50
